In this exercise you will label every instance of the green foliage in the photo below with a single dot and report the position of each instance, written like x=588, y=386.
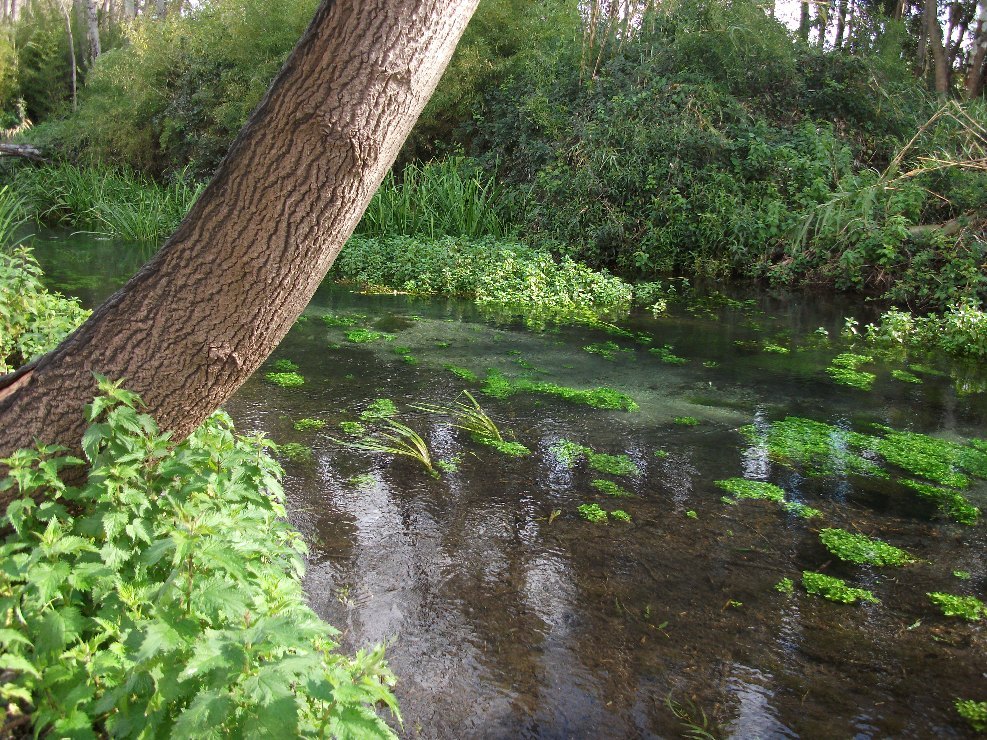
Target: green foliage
x=801, y=510
x=113, y=202
x=952, y=504
x=295, y=452
x=960, y=330
x=606, y=350
x=284, y=366
x=905, y=377
x=504, y=447
x=379, y=408
x=937, y=460
x=610, y=488
x=493, y=273
x=963, y=575
x=785, y=586
x=835, y=589
x=593, y=513
x=666, y=355
x=364, y=481
x=309, y=425
x=364, y=336
x=819, y=449
x=353, y=428
x=862, y=550
x=348, y=320
x=164, y=597
x=686, y=421
x=843, y=369
x=742, y=488
x=974, y=712
x=395, y=438
x=500, y=386
x=463, y=373
x=472, y=418
x=32, y=320
x=569, y=453
x=285, y=380
x=11, y=215
x=620, y=515
x=968, y=607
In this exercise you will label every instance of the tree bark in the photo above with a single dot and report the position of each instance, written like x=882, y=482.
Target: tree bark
x=214, y=302
x=804, y=21
x=934, y=34
x=92, y=32
x=72, y=63
x=840, y=24
x=977, y=70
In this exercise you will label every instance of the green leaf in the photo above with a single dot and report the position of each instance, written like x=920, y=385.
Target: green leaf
x=159, y=639
x=276, y=719
x=204, y=716
x=358, y=723
x=47, y=578
x=17, y=663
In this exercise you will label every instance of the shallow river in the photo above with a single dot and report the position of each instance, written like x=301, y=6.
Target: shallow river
x=506, y=614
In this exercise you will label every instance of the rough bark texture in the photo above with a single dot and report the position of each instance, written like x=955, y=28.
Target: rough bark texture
x=934, y=33
x=92, y=32
x=978, y=56
x=203, y=314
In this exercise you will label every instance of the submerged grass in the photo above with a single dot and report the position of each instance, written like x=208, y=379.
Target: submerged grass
x=500, y=386
x=951, y=503
x=742, y=488
x=285, y=380
x=471, y=418
x=396, y=439
x=569, y=453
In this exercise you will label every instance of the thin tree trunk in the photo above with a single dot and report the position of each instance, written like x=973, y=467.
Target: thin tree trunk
x=68, y=30
x=822, y=22
x=840, y=24
x=804, y=21
x=210, y=306
x=974, y=86
x=92, y=32
x=934, y=33
x=129, y=10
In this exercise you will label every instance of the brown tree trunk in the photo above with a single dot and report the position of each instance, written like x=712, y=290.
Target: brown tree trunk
x=214, y=302
x=934, y=34
x=72, y=63
x=977, y=70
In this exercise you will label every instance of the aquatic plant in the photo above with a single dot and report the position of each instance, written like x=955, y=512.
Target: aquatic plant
x=785, y=586
x=905, y=376
x=592, y=513
x=691, y=514
x=974, y=712
x=620, y=515
x=398, y=439
x=610, y=488
x=449, y=464
x=951, y=503
x=742, y=488
x=819, y=449
x=504, y=447
x=285, y=380
x=666, y=355
x=568, y=453
x=349, y=320
x=309, y=425
x=284, y=366
x=801, y=510
x=364, y=336
x=835, y=589
x=968, y=607
x=363, y=481
x=775, y=349
x=353, y=428
x=938, y=460
x=462, y=372
x=500, y=386
x=862, y=550
x=606, y=350
x=686, y=421
x=379, y=408
x=472, y=418
x=963, y=575
x=294, y=451
x=843, y=370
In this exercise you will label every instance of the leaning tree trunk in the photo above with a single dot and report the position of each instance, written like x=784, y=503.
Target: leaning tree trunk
x=214, y=302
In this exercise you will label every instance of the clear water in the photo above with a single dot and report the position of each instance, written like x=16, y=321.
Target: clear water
x=504, y=622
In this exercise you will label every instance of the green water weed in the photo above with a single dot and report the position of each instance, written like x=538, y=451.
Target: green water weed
x=951, y=503
x=963, y=575
x=610, y=488
x=295, y=452
x=353, y=428
x=905, y=377
x=835, y=589
x=379, y=408
x=284, y=366
x=592, y=513
x=285, y=380
x=741, y=488
x=308, y=425
x=365, y=336
x=974, y=712
x=620, y=515
x=686, y=421
x=967, y=607
x=862, y=550
x=785, y=586
x=395, y=439
x=667, y=356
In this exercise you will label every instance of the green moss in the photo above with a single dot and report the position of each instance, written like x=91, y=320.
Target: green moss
x=284, y=366
x=351, y=320
x=295, y=452
x=785, y=586
x=592, y=513
x=500, y=386
x=463, y=373
x=974, y=712
x=691, y=514
x=951, y=503
x=711, y=364
x=620, y=515
x=742, y=488
x=380, y=408
x=818, y=449
x=309, y=425
x=905, y=377
x=363, y=336
x=353, y=428
x=686, y=421
x=862, y=550
x=835, y=589
x=610, y=488
x=512, y=449
x=667, y=356
x=850, y=360
x=968, y=607
x=285, y=380
x=852, y=378
x=568, y=453
x=660, y=454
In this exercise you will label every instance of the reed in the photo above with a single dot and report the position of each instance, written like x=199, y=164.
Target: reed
x=400, y=439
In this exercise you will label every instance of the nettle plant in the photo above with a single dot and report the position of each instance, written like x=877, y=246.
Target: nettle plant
x=164, y=597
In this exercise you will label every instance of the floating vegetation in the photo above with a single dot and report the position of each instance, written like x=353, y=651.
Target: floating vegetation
x=775, y=348
x=606, y=350
x=691, y=514
x=592, y=513
x=309, y=425
x=500, y=386
x=295, y=452
x=963, y=575
x=353, y=428
x=785, y=586
x=801, y=510
x=379, y=408
x=400, y=439
x=905, y=377
x=934, y=459
x=951, y=503
x=835, y=589
x=742, y=488
x=284, y=366
x=449, y=465
x=968, y=607
x=472, y=418
x=686, y=421
x=843, y=370
x=711, y=363
x=350, y=320
x=974, y=712
x=568, y=453
x=610, y=488
x=363, y=481
x=285, y=380
x=463, y=372
x=818, y=449
x=660, y=453
x=620, y=515
x=862, y=550
x=363, y=336
x=666, y=355
x=511, y=449
x=406, y=356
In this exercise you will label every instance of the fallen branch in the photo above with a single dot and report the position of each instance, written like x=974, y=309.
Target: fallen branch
x=23, y=150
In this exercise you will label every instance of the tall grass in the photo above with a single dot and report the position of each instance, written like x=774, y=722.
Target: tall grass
x=439, y=198
x=112, y=202
x=11, y=214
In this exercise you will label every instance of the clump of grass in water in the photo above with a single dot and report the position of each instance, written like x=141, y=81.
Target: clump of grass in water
x=353, y=428
x=363, y=481
x=666, y=355
x=785, y=586
x=568, y=453
x=380, y=408
x=862, y=550
x=968, y=607
x=284, y=366
x=592, y=513
x=364, y=336
x=606, y=350
x=499, y=386
x=620, y=515
x=974, y=712
x=471, y=418
x=835, y=589
x=399, y=439
x=309, y=425
x=820, y=449
x=349, y=320
x=843, y=370
x=462, y=372
x=285, y=380
x=295, y=452
x=686, y=421
x=937, y=460
x=741, y=488
x=952, y=504
x=610, y=488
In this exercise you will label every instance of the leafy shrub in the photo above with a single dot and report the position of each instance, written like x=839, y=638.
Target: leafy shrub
x=164, y=596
